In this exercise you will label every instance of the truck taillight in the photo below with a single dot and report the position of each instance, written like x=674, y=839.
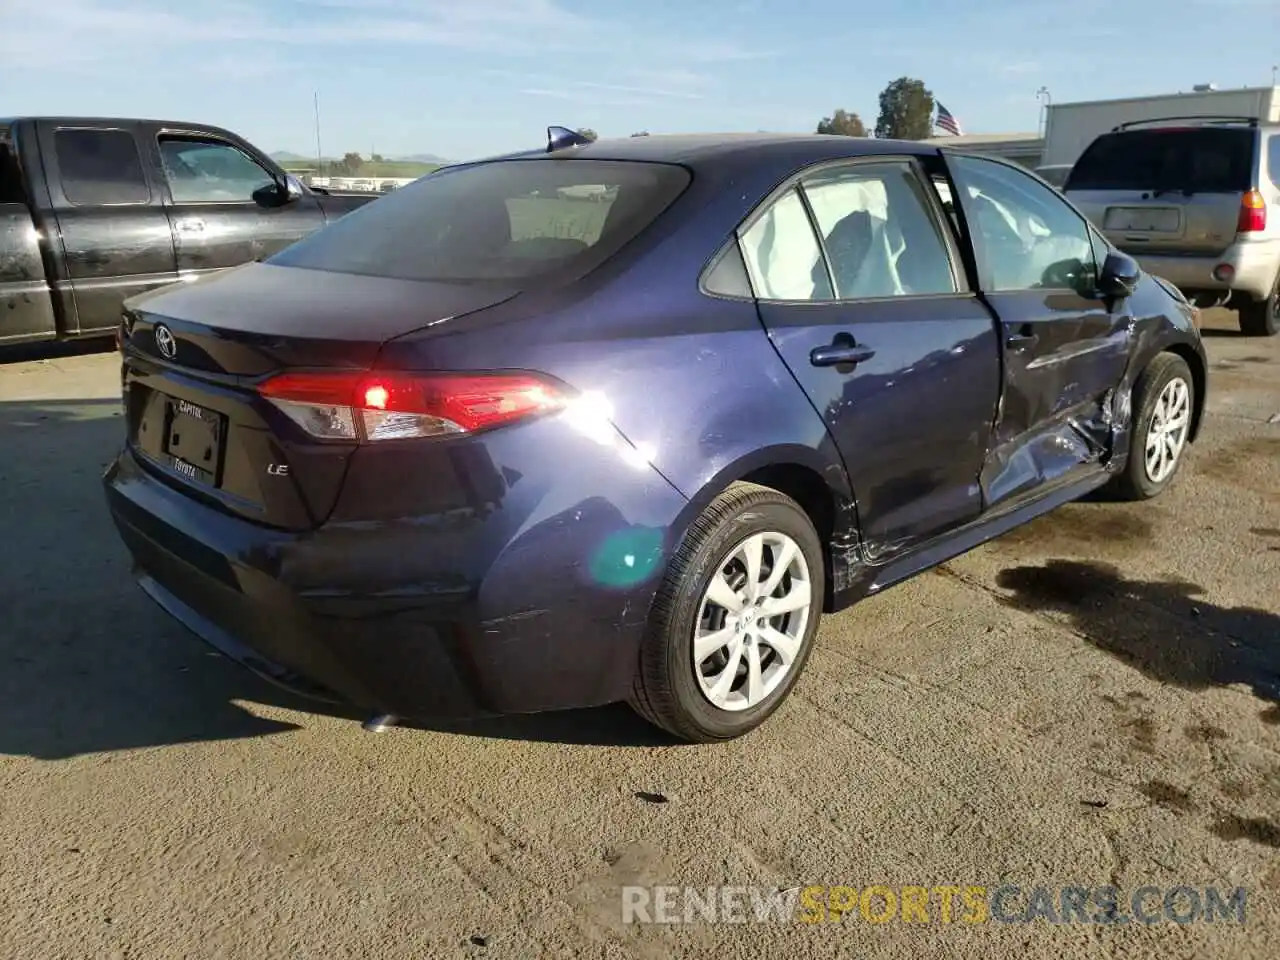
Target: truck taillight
x=370, y=406
x=1253, y=213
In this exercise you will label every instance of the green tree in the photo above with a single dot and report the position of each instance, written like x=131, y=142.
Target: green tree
x=906, y=110
x=348, y=166
x=588, y=133
x=641, y=133
x=842, y=123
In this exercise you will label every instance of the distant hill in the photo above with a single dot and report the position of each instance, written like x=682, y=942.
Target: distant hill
x=424, y=158
x=288, y=156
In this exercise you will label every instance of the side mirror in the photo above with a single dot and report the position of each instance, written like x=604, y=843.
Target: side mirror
x=1120, y=276
x=279, y=192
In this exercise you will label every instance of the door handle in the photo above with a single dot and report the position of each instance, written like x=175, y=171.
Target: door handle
x=191, y=225
x=843, y=349
x=1023, y=337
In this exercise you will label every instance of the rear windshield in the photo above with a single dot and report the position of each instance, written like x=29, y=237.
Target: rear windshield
x=501, y=221
x=1201, y=160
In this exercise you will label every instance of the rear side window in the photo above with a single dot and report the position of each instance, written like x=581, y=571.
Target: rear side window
x=782, y=253
x=100, y=167
x=880, y=237
x=503, y=221
x=11, y=190
x=1197, y=160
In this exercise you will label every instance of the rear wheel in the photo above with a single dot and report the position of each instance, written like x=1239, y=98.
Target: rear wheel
x=1261, y=318
x=735, y=618
x=1164, y=400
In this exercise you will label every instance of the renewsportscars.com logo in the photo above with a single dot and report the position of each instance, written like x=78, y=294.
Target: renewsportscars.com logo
x=971, y=904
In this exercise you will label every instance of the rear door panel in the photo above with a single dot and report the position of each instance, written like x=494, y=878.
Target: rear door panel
x=115, y=236
x=913, y=421
x=912, y=413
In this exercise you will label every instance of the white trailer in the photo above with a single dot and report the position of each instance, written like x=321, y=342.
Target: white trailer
x=1071, y=127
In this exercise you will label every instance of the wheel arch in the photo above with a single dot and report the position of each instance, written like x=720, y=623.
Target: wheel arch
x=819, y=485
x=1199, y=379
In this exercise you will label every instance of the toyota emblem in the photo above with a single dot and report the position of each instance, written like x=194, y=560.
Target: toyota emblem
x=165, y=342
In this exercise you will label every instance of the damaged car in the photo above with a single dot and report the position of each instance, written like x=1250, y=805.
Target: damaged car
x=623, y=420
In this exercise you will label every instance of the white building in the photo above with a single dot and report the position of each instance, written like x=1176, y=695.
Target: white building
x=1071, y=127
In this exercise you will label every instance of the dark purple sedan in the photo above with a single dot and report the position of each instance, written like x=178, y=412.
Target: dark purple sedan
x=621, y=420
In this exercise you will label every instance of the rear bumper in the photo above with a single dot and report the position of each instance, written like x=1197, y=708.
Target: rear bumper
x=487, y=639
x=1255, y=262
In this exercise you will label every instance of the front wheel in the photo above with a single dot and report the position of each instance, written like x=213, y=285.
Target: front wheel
x=1164, y=400
x=734, y=619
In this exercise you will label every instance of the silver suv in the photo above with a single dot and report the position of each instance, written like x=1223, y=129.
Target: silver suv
x=1195, y=200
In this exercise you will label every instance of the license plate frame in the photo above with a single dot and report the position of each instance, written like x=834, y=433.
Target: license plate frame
x=193, y=440
x=1143, y=219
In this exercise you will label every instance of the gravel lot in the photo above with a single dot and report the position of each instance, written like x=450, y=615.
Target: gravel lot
x=1092, y=700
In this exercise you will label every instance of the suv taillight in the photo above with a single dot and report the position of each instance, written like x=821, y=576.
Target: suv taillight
x=374, y=405
x=1253, y=213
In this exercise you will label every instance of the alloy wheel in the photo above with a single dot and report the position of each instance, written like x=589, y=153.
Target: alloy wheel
x=1167, y=429
x=751, y=622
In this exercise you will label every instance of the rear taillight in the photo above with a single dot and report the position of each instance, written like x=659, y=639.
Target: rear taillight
x=371, y=406
x=1253, y=213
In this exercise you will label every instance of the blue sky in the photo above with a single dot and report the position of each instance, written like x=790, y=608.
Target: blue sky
x=463, y=78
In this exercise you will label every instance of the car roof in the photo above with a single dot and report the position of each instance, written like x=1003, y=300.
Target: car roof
x=104, y=121
x=695, y=149
x=1179, y=124
x=108, y=123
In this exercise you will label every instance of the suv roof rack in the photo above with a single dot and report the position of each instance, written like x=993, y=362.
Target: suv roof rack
x=1251, y=121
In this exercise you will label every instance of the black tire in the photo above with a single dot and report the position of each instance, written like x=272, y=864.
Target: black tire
x=666, y=691
x=1261, y=318
x=1134, y=483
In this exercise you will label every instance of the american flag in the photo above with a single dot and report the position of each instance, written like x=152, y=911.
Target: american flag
x=947, y=123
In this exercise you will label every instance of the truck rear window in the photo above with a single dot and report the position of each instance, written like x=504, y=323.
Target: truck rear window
x=501, y=221
x=100, y=167
x=1198, y=160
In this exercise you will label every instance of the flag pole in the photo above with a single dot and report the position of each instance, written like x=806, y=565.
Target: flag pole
x=315, y=99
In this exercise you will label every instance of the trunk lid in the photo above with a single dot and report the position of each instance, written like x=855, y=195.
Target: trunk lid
x=258, y=319
x=195, y=354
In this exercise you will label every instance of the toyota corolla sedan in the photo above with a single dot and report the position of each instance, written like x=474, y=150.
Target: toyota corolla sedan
x=621, y=420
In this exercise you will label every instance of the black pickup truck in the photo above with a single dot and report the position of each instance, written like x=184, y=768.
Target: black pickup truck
x=96, y=210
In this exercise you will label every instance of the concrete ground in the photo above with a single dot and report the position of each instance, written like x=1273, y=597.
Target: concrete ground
x=1092, y=700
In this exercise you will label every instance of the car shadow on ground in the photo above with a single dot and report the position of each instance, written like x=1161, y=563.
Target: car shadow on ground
x=1172, y=635
x=88, y=664
x=53, y=351
x=1164, y=629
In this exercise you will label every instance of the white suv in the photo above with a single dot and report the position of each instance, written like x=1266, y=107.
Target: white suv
x=1196, y=201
